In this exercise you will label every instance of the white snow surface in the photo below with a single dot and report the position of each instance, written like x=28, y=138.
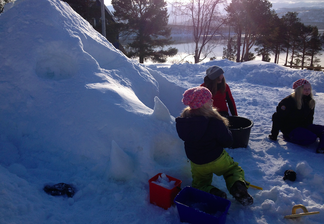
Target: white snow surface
x=76, y=110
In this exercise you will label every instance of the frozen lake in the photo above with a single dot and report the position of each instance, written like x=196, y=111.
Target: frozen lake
x=185, y=53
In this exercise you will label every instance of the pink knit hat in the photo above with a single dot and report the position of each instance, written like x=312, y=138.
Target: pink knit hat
x=196, y=97
x=299, y=82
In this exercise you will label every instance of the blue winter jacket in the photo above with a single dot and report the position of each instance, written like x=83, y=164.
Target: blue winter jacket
x=204, y=138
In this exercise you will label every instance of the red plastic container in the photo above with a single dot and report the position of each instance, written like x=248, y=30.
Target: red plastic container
x=162, y=196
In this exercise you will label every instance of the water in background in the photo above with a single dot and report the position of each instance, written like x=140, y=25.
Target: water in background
x=185, y=54
x=185, y=45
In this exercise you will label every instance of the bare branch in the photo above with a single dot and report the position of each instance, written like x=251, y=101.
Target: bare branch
x=206, y=21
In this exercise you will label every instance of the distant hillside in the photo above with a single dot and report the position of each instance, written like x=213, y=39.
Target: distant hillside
x=308, y=15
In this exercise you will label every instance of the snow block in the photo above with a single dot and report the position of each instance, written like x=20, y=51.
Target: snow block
x=195, y=206
x=162, y=196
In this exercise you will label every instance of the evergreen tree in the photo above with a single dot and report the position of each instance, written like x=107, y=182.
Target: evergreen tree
x=315, y=46
x=235, y=19
x=278, y=38
x=250, y=17
x=272, y=39
x=305, y=37
x=229, y=52
x=295, y=43
x=289, y=21
x=267, y=42
x=145, y=22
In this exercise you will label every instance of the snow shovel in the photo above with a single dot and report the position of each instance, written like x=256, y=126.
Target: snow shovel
x=294, y=215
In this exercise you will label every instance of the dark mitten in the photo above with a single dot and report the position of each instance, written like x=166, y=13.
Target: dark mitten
x=60, y=189
x=290, y=175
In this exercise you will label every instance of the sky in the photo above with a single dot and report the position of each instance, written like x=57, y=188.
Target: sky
x=75, y=110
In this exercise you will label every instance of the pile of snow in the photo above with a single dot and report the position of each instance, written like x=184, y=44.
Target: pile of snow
x=76, y=110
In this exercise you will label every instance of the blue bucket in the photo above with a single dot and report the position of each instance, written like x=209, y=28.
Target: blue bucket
x=195, y=206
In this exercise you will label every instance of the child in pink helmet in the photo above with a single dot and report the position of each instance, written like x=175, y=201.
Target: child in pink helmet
x=205, y=134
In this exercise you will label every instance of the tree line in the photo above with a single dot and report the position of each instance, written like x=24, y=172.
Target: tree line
x=271, y=35
x=145, y=25
x=254, y=24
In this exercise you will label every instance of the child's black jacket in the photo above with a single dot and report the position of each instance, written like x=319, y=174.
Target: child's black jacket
x=204, y=138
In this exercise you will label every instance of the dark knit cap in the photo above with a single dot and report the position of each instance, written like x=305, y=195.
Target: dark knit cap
x=290, y=175
x=214, y=72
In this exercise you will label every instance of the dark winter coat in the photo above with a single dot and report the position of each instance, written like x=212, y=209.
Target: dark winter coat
x=288, y=117
x=204, y=138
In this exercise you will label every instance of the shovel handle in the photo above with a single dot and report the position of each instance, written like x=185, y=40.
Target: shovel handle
x=259, y=188
x=294, y=215
x=297, y=207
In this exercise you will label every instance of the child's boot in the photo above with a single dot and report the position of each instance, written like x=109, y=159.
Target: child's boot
x=320, y=150
x=215, y=191
x=240, y=193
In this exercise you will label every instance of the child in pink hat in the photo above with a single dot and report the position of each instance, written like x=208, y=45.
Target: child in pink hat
x=205, y=134
x=294, y=117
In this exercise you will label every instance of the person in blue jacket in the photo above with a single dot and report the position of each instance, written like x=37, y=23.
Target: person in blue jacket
x=294, y=117
x=205, y=134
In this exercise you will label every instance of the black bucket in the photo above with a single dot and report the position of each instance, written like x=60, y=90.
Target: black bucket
x=240, y=128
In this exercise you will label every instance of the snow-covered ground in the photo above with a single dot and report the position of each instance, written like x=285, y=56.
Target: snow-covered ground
x=76, y=110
